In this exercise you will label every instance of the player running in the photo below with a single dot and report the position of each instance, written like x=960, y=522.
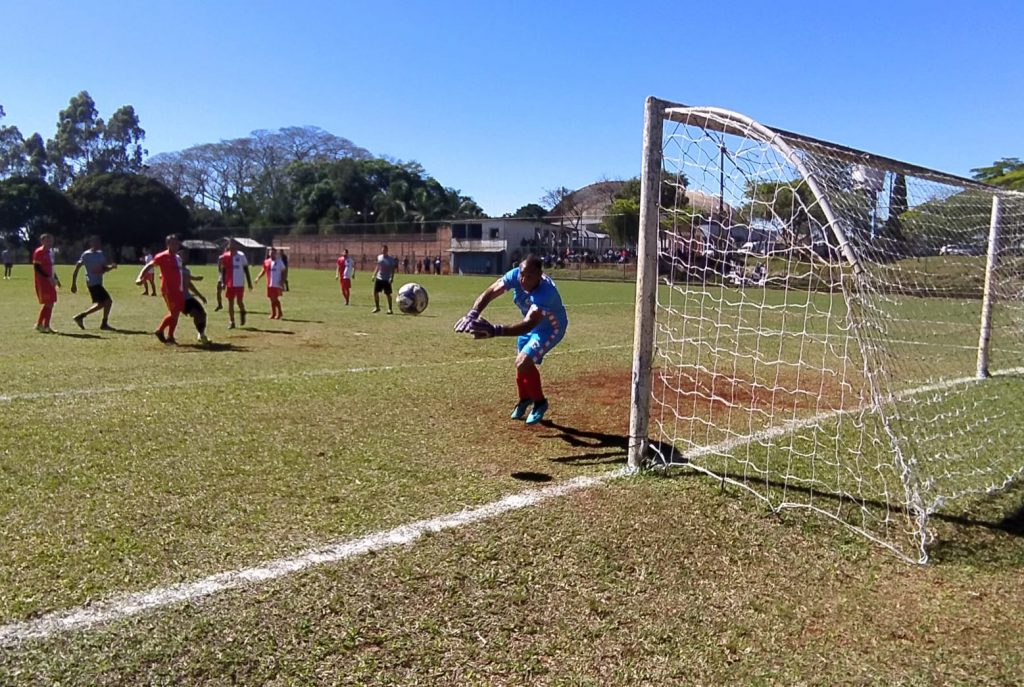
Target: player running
x=46, y=282
x=383, y=276
x=96, y=265
x=346, y=269
x=543, y=326
x=171, y=286
x=276, y=272
x=235, y=268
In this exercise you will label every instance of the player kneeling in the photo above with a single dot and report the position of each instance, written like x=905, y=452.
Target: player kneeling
x=543, y=326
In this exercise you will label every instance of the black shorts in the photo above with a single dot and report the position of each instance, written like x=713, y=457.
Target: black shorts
x=382, y=285
x=99, y=294
x=193, y=307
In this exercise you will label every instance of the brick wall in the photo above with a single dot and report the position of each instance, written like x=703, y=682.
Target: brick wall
x=321, y=252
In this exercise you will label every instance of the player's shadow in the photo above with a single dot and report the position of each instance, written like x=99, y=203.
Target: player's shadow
x=79, y=335
x=130, y=332
x=293, y=319
x=603, y=448
x=213, y=347
x=606, y=448
x=267, y=331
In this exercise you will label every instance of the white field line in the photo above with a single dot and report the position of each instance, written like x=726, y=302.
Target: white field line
x=330, y=372
x=125, y=605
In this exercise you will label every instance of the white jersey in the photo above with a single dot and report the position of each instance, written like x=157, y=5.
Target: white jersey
x=350, y=268
x=234, y=269
x=275, y=273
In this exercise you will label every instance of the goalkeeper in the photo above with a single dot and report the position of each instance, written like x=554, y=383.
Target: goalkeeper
x=542, y=327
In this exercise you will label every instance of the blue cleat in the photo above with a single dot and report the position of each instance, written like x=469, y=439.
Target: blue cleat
x=519, y=412
x=538, y=412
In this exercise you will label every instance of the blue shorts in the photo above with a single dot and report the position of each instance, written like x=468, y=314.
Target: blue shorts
x=537, y=343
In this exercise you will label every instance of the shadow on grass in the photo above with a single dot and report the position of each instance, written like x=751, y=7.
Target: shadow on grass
x=130, y=332
x=295, y=319
x=79, y=335
x=266, y=331
x=605, y=448
x=213, y=347
x=976, y=535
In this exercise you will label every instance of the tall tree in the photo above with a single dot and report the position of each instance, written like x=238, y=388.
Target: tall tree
x=530, y=211
x=30, y=207
x=128, y=209
x=85, y=144
x=122, y=143
x=37, y=163
x=12, y=149
x=78, y=141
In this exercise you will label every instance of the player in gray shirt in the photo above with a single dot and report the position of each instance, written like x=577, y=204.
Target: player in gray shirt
x=8, y=259
x=96, y=266
x=382, y=278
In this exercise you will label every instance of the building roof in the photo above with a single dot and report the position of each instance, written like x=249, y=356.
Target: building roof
x=197, y=244
x=245, y=242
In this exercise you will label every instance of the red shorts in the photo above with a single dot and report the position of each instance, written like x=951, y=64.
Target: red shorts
x=46, y=292
x=234, y=293
x=175, y=302
x=273, y=292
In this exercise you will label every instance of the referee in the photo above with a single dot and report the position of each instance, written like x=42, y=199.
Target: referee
x=96, y=265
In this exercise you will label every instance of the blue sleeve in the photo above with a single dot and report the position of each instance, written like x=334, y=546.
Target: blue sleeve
x=510, y=279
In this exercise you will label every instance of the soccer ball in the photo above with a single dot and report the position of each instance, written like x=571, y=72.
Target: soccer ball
x=412, y=299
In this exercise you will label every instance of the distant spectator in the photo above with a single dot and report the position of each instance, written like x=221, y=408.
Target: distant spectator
x=8, y=259
x=405, y=265
x=437, y=265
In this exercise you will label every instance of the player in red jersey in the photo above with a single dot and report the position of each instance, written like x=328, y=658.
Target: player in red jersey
x=235, y=268
x=172, y=286
x=46, y=282
x=346, y=268
x=276, y=273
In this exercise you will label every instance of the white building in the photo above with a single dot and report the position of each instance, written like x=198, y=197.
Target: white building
x=493, y=246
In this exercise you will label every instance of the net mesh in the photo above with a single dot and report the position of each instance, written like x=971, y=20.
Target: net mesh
x=817, y=327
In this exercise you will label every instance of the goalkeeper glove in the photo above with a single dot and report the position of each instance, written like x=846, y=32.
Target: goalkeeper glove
x=482, y=329
x=465, y=323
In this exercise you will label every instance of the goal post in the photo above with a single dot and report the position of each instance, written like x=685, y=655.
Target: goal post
x=807, y=324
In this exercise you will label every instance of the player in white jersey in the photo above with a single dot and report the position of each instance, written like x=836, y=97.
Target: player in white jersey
x=276, y=273
x=235, y=268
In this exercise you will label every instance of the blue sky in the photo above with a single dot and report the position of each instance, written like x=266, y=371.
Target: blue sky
x=505, y=100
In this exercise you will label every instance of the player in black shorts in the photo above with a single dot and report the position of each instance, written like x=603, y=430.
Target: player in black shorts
x=193, y=308
x=96, y=266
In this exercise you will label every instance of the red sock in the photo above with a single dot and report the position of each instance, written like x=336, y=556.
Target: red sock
x=173, y=317
x=532, y=376
x=522, y=385
x=47, y=313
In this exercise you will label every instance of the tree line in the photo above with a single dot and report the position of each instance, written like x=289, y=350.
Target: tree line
x=92, y=176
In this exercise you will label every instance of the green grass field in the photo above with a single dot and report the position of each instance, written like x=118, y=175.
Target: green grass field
x=126, y=465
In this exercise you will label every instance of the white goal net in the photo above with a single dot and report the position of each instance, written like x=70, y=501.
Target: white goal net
x=825, y=328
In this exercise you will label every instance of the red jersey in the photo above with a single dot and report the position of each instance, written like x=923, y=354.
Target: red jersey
x=43, y=257
x=170, y=273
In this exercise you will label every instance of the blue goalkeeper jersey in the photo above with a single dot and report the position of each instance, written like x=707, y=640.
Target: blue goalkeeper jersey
x=545, y=297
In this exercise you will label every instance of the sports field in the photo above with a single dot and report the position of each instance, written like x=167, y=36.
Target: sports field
x=134, y=474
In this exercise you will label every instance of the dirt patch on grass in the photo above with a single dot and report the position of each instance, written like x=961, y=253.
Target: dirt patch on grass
x=712, y=393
